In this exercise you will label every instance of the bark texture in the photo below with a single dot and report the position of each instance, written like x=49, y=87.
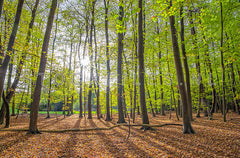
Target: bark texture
x=145, y=119
x=187, y=127
x=119, y=68
x=43, y=61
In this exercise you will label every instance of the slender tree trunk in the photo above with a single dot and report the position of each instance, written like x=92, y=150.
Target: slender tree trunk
x=200, y=86
x=124, y=100
x=149, y=96
x=129, y=86
x=97, y=69
x=135, y=54
x=4, y=65
x=119, y=67
x=43, y=61
x=187, y=127
x=69, y=98
x=234, y=89
x=106, y=4
x=224, y=107
x=185, y=62
x=82, y=94
x=50, y=80
x=91, y=64
x=141, y=66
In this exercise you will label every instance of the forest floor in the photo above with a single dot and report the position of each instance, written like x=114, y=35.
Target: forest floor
x=213, y=138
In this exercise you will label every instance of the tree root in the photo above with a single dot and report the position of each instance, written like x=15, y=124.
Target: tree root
x=144, y=127
x=34, y=132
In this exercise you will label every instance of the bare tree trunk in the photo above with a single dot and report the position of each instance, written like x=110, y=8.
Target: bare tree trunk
x=81, y=93
x=135, y=54
x=234, y=89
x=13, y=106
x=91, y=64
x=97, y=69
x=106, y=4
x=188, y=88
x=149, y=96
x=43, y=61
x=187, y=127
x=200, y=86
x=224, y=107
x=51, y=67
x=141, y=66
x=119, y=68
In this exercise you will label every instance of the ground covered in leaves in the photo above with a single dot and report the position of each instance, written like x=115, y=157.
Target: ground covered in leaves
x=213, y=138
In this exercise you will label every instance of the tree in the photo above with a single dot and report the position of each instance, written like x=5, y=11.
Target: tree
x=43, y=61
x=4, y=64
x=224, y=109
x=91, y=63
x=13, y=87
x=119, y=65
x=51, y=69
x=106, y=4
x=141, y=67
x=187, y=127
x=185, y=62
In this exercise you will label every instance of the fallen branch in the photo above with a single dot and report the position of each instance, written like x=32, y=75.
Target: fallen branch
x=91, y=129
x=147, y=125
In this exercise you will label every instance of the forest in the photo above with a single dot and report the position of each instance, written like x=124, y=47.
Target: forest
x=141, y=69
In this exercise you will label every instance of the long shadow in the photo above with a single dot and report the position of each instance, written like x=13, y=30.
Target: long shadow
x=68, y=151
x=71, y=142
x=161, y=146
x=112, y=147
x=49, y=123
x=20, y=137
x=77, y=124
x=175, y=140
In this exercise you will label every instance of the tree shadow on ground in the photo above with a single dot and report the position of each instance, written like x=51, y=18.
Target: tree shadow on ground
x=128, y=145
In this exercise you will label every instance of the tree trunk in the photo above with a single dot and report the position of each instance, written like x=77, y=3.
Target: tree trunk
x=91, y=64
x=106, y=4
x=223, y=68
x=135, y=54
x=149, y=96
x=200, y=85
x=43, y=61
x=97, y=69
x=141, y=66
x=187, y=127
x=51, y=67
x=119, y=67
x=7, y=116
x=234, y=89
x=185, y=62
x=4, y=64
x=13, y=106
x=81, y=93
